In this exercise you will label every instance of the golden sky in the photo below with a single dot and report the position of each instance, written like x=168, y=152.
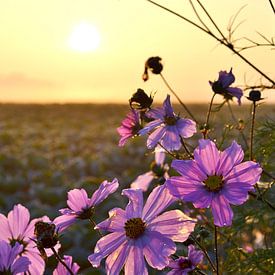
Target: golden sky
x=38, y=63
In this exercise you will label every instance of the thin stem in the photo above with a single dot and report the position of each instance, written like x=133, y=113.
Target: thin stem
x=61, y=261
x=185, y=148
x=236, y=121
x=216, y=249
x=208, y=115
x=253, y=113
x=199, y=271
x=223, y=42
x=198, y=16
x=179, y=100
x=94, y=224
x=205, y=253
x=167, y=151
x=272, y=6
x=211, y=19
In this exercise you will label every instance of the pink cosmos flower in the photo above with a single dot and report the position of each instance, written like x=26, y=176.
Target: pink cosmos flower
x=167, y=127
x=158, y=171
x=10, y=260
x=17, y=227
x=139, y=232
x=129, y=127
x=215, y=179
x=61, y=270
x=80, y=206
x=183, y=265
x=222, y=86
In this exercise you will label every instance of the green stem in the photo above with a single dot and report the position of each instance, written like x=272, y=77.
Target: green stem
x=185, y=148
x=253, y=113
x=216, y=249
x=208, y=115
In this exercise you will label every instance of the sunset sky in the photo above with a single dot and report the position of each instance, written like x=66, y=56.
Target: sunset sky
x=94, y=51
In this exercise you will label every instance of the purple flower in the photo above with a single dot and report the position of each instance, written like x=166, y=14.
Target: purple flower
x=129, y=127
x=183, y=265
x=168, y=128
x=80, y=206
x=17, y=227
x=139, y=232
x=221, y=86
x=61, y=270
x=215, y=179
x=158, y=171
x=10, y=260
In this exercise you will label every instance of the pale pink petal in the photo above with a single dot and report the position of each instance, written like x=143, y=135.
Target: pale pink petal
x=247, y=172
x=207, y=156
x=143, y=181
x=5, y=232
x=157, y=249
x=189, y=169
x=105, y=189
x=135, y=263
x=171, y=138
x=221, y=211
x=134, y=207
x=158, y=200
x=229, y=158
x=174, y=225
x=116, y=259
x=105, y=246
x=150, y=126
x=78, y=200
x=115, y=222
x=18, y=220
x=186, y=127
x=155, y=137
x=64, y=221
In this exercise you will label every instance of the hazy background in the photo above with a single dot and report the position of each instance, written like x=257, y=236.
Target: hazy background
x=38, y=65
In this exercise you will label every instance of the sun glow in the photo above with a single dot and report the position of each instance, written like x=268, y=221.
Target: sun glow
x=84, y=38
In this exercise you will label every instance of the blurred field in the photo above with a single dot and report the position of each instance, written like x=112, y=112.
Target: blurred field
x=46, y=150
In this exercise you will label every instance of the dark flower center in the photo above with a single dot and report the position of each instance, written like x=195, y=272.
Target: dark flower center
x=214, y=183
x=134, y=228
x=5, y=272
x=136, y=128
x=170, y=120
x=157, y=169
x=185, y=264
x=217, y=87
x=86, y=214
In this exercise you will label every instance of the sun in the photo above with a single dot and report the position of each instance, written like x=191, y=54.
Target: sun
x=84, y=38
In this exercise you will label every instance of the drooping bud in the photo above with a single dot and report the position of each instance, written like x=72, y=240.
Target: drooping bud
x=140, y=100
x=154, y=65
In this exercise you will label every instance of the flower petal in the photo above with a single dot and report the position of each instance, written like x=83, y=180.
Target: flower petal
x=156, y=113
x=155, y=137
x=21, y=265
x=174, y=225
x=37, y=265
x=78, y=200
x=189, y=169
x=142, y=182
x=186, y=127
x=105, y=246
x=135, y=204
x=135, y=263
x=5, y=232
x=168, y=107
x=229, y=158
x=159, y=155
x=221, y=211
x=237, y=92
x=171, y=139
x=18, y=220
x=150, y=126
x=115, y=222
x=189, y=191
x=157, y=249
x=105, y=189
x=64, y=221
x=195, y=256
x=116, y=259
x=207, y=156
x=226, y=79
x=247, y=172
x=159, y=199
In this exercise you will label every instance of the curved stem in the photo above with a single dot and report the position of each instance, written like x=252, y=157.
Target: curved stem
x=236, y=121
x=205, y=253
x=179, y=100
x=208, y=115
x=222, y=41
x=185, y=148
x=216, y=249
x=61, y=261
